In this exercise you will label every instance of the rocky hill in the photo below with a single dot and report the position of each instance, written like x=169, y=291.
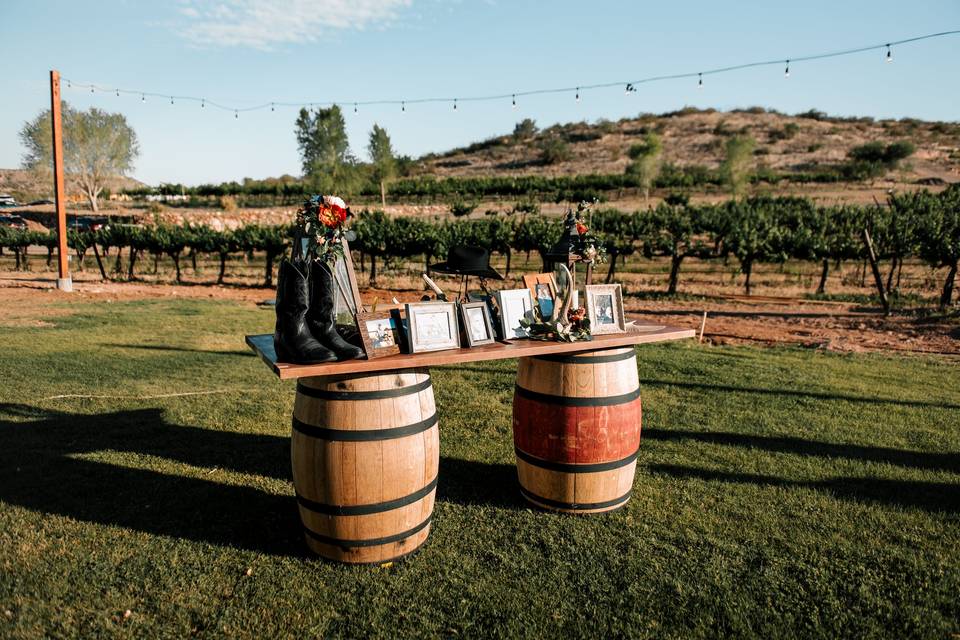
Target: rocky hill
x=784, y=143
x=28, y=185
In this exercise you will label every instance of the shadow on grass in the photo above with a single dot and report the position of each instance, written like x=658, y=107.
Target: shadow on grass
x=40, y=470
x=797, y=393
x=935, y=497
x=162, y=347
x=901, y=457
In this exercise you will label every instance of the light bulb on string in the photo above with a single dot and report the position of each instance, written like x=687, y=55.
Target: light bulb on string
x=69, y=86
x=629, y=89
x=786, y=71
x=203, y=103
x=403, y=106
x=577, y=97
x=171, y=99
x=91, y=88
x=889, y=54
x=354, y=107
x=271, y=107
x=514, y=101
x=454, y=104
x=700, y=81
x=236, y=114
x=118, y=93
x=143, y=97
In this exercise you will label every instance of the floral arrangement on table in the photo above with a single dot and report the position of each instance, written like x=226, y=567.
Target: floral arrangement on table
x=565, y=324
x=322, y=220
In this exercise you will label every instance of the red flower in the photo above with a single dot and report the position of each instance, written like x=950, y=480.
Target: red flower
x=328, y=216
x=581, y=228
x=576, y=315
x=340, y=212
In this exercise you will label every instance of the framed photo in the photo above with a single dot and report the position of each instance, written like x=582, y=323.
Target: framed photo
x=380, y=333
x=492, y=309
x=514, y=304
x=605, y=309
x=432, y=326
x=543, y=287
x=476, y=323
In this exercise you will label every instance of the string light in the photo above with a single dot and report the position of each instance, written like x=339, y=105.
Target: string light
x=171, y=99
x=203, y=103
x=629, y=87
x=236, y=114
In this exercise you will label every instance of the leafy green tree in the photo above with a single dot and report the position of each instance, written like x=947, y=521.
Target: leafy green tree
x=382, y=159
x=554, y=150
x=325, y=150
x=738, y=160
x=646, y=165
x=525, y=129
x=754, y=233
x=97, y=145
x=373, y=229
x=675, y=230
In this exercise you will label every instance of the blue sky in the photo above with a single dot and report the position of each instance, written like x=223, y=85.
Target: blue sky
x=246, y=52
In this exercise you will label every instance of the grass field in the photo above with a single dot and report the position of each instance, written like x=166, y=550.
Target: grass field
x=779, y=493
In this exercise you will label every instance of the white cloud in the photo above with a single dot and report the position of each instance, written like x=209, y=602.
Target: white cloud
x=264, y=23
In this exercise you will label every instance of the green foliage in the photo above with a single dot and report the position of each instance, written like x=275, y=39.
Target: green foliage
x=325, y=151
x=381, y=157
x=873, y=159
x=97, y=145
x=525, y=129
x=737, y=163
x=645, y=167
x=554, y=150
x=460, y=208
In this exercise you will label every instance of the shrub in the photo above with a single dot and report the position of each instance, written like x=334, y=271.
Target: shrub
x=228, y=203
x=554, y=151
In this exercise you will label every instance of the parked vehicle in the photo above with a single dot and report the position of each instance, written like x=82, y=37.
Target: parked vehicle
x=15, y=222
x=6, y=200
x=85, y=223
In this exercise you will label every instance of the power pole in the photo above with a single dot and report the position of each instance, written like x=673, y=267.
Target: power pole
x=64, y=281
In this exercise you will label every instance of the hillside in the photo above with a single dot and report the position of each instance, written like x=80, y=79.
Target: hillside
x=693, y=137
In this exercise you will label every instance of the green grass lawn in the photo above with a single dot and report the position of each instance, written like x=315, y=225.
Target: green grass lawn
x=779, y=493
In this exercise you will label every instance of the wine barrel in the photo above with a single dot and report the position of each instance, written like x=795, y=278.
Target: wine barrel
x=365, y=454
x=576, y=429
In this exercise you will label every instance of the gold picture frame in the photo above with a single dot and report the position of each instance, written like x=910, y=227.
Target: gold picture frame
x=605, y=309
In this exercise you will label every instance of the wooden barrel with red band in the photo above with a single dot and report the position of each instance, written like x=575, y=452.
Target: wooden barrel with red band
x=365, y=453
x=576, y=429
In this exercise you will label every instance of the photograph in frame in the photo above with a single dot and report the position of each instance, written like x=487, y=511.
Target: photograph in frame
x=380, y=333
x=432, y=326
x=605, y=309
x=477, y=324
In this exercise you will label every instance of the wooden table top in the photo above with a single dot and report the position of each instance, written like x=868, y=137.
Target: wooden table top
x=636, y=334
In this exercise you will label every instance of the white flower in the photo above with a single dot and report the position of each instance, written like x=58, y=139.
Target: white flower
x=335, y=200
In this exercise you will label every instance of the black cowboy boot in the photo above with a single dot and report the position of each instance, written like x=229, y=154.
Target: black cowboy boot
x=320, y=317
x=292, y=339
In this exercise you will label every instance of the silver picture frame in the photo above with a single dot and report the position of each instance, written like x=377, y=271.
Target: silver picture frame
x=605, y=309
x=477, y=324
x=432, y=326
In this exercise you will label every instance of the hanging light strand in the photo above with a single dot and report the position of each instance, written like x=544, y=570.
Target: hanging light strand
x=631, y=86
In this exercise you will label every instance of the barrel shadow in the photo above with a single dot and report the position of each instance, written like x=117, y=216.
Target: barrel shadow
x=40, y=471
x=469, y=482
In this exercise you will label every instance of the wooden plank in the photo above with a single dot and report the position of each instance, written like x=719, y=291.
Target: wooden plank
x=636, y=334
x=64, y=281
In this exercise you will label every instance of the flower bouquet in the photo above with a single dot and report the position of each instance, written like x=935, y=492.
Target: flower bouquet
x=322, y=220
x=565, y=324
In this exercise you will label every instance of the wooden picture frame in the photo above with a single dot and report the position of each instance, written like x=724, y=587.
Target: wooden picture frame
x=380, y=332
x=543, y=288
x=605, y=309
x=492, y=308
x=477, y=324
x=432, y=326
x=514, y=304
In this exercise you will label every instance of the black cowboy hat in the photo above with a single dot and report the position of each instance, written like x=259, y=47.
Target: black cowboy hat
x=468, y=261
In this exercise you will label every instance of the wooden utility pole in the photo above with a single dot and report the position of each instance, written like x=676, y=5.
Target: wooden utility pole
x=64, y=281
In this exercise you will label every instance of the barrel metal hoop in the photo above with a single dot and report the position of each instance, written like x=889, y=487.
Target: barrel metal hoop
x=567, y=467
x=574, y=506
x=365, y=509
x=601, y=359
x=371, y=542
x=363, y=435
x=326, y=394
x=567, y=401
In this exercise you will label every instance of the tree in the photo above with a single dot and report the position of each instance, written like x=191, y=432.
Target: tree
x=381, y=155
x=325, y=150
x=96, y=146
x=553, y=150
x=525, y=129
x=674, y=229
x=939, y=220
x=736, y=164
x=645, y=167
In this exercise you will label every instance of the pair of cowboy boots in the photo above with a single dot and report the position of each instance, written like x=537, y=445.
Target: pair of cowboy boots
x=306, y=327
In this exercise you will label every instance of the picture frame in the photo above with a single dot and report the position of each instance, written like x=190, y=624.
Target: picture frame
x=543, y=288
x=514, y=304
x=492, y=308
x=605, y=309
x=380, y=332
x=432, y=326
x=477, y=324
